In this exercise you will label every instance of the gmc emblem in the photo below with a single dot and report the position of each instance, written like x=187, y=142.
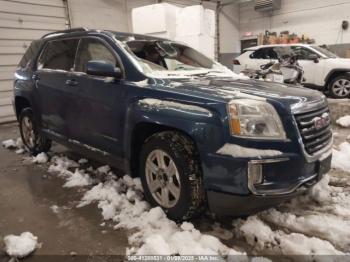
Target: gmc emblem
x=321, y=122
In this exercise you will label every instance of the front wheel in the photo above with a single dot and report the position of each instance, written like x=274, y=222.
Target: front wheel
x=171, y=175
x=339, y=87
x=32, y=140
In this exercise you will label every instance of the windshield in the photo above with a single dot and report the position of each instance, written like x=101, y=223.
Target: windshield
x=161, y=58
x=325, y=52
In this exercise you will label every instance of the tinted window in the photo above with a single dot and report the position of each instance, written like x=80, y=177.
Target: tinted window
x=93, y=49
x=264, y=53
x=30, y=54
x=59, y=54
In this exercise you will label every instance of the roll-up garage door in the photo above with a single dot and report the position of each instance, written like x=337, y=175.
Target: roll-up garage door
x=22, y=21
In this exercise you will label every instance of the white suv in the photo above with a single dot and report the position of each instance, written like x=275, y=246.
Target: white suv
x=323, y=70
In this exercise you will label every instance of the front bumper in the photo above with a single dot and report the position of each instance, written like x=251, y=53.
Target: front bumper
x=235, y=205
x=284, y=177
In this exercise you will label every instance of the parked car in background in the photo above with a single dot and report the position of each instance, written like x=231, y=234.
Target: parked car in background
x=323, y=70
x=194, y=132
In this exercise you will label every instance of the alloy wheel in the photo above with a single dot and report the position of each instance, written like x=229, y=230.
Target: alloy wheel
x=341, y=87
x=28, y=132
x=163, y=178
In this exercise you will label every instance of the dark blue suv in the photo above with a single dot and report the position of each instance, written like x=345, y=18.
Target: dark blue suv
x=194, y=132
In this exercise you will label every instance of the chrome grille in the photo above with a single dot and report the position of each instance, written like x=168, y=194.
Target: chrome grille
x=315, y=129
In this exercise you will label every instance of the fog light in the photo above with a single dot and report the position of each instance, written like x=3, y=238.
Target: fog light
x=255, y=176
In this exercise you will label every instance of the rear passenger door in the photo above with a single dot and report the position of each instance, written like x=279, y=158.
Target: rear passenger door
x=100, y=123
x=55, y=98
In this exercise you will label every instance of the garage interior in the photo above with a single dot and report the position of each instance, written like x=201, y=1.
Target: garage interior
x=32, y=199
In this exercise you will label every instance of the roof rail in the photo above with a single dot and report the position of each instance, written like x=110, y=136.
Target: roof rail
x=73, y=30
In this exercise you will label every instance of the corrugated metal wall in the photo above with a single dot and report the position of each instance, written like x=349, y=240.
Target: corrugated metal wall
x=22, y=21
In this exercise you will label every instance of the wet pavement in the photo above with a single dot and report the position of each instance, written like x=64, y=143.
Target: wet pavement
x=28, y=193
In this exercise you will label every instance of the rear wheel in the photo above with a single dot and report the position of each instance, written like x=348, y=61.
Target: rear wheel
x=339, y=87
x=32, y=140
x=171, y=176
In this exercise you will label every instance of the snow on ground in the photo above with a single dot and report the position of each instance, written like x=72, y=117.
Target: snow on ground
x=121, y=202
x=344, y=121
x=341, y=157
x=263, y=238
x=315, y=223
x=40, y=158
x=20, y=246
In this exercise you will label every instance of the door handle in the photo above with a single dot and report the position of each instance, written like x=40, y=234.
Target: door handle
x=71, y=82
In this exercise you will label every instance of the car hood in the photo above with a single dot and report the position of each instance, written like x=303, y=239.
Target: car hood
x=226, y=89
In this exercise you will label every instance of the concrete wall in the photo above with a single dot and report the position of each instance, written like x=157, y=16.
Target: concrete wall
x=319, y=19
x=229, y=34
x=99, y=14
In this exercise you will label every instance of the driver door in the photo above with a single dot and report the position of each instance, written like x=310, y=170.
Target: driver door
x=311, y=69
x=100, y=123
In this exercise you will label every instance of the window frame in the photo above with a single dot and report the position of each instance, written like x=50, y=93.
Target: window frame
x=44, y=49
x=306, y=48
x=104, y=42
x=108, y=46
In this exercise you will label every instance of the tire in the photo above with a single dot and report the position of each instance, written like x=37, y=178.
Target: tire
x=32, y=140
x=339, y=87
x=173, y=147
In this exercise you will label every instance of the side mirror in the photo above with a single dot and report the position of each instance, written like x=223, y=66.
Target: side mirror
x=103, y=68
x=314, y=58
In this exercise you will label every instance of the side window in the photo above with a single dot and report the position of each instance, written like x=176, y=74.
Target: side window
x=258, y=54
x=92, y=49
x=302, y=52
x=30, y=53
x=270, y=53
x=264, y=53
x=59, y=55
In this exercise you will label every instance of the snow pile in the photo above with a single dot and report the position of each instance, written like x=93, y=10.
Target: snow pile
x=55, y=209
x=20, y=246
x=62, y=164
x=78, y=178
x=341, y=157
x=239, y=151
x=122, y=202
x=40, y=158
x=14, y=144
x=344, y=121
x=259, y=235
x=326, y=226
x=73, y=179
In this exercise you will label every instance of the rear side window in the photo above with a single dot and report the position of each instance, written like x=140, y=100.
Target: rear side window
x=264, y=53
x=30, y=54
x=93, y=49
x=59, y=55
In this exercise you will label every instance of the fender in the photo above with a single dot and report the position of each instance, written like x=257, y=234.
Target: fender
x=200, y=123
x=336, y=70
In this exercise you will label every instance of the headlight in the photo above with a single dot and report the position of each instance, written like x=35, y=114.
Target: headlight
x=255, y=119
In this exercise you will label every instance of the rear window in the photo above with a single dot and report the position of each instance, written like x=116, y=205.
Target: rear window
x=59, y=55
x=30, y=54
